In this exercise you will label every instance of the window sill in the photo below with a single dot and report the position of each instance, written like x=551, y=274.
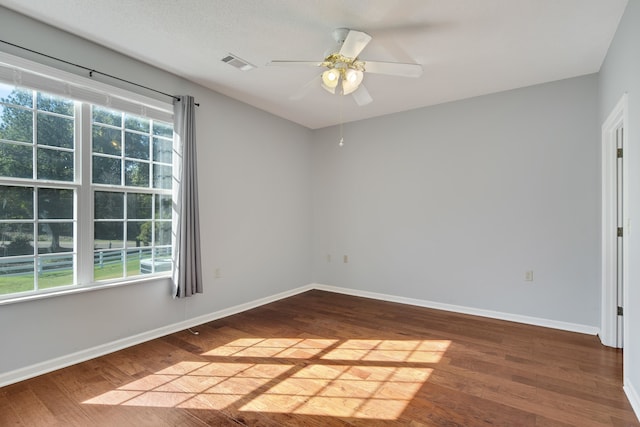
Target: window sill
x=80, y=289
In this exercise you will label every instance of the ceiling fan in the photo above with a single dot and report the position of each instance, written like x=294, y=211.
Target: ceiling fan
x=345, y=70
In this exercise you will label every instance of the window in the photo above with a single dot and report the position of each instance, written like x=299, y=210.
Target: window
x=85, y=192
x=131, y=173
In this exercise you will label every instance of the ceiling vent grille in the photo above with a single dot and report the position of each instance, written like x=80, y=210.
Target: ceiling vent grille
x=240, y=64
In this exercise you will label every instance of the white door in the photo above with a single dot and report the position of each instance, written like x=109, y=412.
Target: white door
x=614, y=225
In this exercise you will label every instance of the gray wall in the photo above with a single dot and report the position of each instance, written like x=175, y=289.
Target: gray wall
x=453, y=203
x=620, y=73
x=255, y=209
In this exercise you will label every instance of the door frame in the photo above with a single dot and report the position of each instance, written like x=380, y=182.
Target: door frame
x=609, y=303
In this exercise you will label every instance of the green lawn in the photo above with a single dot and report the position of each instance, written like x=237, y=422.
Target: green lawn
x=24, y=282
x=113, y=271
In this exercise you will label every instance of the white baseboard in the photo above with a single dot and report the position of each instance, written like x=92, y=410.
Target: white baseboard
x=633, y=396
x=27, y=372
x=555, y=324
x=91, y=353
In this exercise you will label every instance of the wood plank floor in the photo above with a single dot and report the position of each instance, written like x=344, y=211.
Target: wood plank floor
x=325, y=359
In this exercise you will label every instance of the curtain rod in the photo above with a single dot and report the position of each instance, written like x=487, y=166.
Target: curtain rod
x=93, y=71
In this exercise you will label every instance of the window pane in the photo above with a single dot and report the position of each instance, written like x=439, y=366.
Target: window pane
x=161, y=176
x=162, y=150
x=108, y=205
x=16, y=124
x=106, y=116
x=13, y=95
x=55, y=104
x=107, y=140
x=55, y=237
x=55, y=164
x=139, y=206
x=144, y=234
x=134, y=259
x=16, y=239
x=55, y=203
x=163, y=129
x=16, y=276
x=108, y=234
x=145, y=254
x=134, y=234
x=161, y=262
x=163, y=233
x=108, y=265
x=164, y=207
x=16, y=202
x=136, y=123
x=54, y=271
x=136, y=174
x=16, y=161
x=136, y=146
x=162, y=253
x=106, y=170
x=55, y=131
x=156, y=266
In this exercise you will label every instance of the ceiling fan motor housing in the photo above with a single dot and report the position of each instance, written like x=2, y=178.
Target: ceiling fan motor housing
x=340, y=35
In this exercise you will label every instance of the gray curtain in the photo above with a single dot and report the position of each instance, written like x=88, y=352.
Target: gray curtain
x=187, y=266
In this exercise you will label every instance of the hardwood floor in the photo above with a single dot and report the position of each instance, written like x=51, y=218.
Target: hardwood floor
x=325, y=359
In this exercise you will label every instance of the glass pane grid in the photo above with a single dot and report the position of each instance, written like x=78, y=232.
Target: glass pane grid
x=136, y=231
x=131, y=165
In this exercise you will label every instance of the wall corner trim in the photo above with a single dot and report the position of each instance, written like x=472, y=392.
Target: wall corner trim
x=633, y=396
x=31, y=371
x=536, y=321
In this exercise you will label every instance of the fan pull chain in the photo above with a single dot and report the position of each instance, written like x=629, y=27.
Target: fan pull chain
x=341, y=142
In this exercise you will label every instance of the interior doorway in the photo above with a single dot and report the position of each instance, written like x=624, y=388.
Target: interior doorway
x=614, y=226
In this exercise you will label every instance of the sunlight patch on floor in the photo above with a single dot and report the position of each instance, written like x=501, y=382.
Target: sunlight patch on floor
x=343, y=391
x=374, y=379
x=272, y=347
x=390, y=350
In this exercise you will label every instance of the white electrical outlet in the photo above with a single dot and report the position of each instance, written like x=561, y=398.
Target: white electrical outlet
x=528, y=276
x=217, y=273
x=345, y=259
x=328, y=257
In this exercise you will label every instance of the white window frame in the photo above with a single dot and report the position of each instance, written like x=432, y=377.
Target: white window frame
x=39, y=77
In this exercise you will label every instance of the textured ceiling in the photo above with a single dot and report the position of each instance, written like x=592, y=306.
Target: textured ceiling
x=466, y=47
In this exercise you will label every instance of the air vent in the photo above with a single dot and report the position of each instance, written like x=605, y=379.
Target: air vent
x=240, y=64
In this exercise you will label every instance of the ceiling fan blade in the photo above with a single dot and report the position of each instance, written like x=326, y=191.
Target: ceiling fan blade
x=393, y=68
x=295, y=63
x=362, y=96
x=354, y=43
x=304, y=90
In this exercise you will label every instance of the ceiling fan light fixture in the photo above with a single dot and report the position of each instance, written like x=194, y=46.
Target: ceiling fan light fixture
x=352, y=80
x=330, y=80
x=351, y=76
